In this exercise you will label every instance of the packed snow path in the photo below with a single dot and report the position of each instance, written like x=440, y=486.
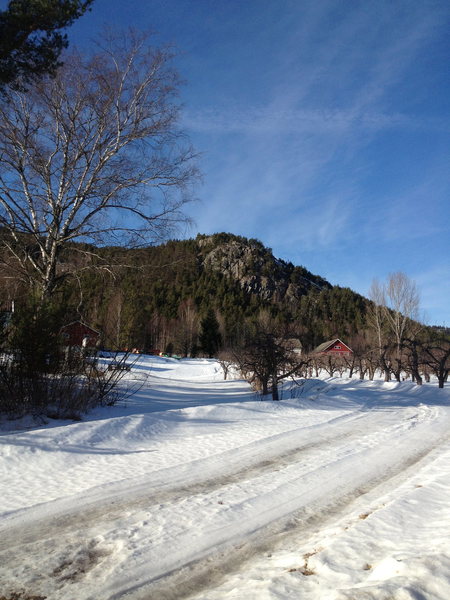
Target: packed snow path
x=168, y=495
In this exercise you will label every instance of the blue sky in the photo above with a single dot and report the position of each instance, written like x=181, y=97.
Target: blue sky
x=323, y=126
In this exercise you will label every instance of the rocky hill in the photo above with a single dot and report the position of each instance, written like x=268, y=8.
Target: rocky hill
x=145, y=297
x=254, y=267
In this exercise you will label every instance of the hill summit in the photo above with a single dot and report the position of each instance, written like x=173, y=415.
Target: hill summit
x=255, y=269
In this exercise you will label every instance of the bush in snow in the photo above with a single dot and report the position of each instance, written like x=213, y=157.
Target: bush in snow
x=39, y=376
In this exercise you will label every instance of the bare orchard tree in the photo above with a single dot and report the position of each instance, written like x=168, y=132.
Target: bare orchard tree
x=413, y=356
x=94, y=154
x=226, y=361
x=435, y=358
x=270, y=356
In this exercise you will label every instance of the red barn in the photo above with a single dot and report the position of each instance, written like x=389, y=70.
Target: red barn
x=334, y=347
x=74, y=333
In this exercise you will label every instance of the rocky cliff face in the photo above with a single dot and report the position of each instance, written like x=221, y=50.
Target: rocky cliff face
x=256, y=269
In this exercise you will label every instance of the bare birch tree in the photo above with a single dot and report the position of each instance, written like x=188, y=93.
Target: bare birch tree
x=187, y=329
x=395, y=312
x=401, y=312
x=376, y=309
x=403, y=301
x=94, y=154
x=377, y=321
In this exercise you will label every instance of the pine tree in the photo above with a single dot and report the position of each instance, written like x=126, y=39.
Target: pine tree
x=31, y=38
x=210, y=336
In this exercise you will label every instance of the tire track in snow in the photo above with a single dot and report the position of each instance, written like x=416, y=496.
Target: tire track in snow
x=193, y=576
x=263, y=457
x=67, y=529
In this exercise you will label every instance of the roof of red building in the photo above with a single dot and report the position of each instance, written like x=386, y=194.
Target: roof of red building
x=328, y=345
x=80, y=323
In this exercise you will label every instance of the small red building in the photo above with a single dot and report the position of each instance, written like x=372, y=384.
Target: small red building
x=79, y=334
x=334, y=347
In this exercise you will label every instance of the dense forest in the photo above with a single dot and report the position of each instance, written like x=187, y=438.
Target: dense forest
x=155, y=298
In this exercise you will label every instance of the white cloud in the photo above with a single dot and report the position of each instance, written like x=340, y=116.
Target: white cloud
x=262, y=121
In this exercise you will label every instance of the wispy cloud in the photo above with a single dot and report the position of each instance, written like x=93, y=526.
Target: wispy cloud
x=315, y=154
x=328, y=121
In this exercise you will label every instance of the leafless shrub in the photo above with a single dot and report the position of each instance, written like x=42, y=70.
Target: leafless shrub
x=67, y=391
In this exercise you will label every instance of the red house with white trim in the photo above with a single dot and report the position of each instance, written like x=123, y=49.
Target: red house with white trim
x=334, y=347
x=79, y=334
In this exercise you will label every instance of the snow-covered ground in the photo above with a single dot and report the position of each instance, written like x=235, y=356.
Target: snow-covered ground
x=195, y=488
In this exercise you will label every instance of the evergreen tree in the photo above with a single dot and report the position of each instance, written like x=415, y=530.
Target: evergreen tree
x=210, y=336
x=30, y=37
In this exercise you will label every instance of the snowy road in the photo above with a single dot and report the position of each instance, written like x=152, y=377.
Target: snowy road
x=170, y=495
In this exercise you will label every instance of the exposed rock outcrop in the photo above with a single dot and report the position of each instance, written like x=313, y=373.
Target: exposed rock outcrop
x=255, y=268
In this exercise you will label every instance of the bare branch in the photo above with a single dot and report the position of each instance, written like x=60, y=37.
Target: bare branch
x=93, y=154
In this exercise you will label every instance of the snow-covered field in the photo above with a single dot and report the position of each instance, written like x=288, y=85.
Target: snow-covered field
x=195, y=488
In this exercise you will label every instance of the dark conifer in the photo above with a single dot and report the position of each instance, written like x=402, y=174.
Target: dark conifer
x=210, y=336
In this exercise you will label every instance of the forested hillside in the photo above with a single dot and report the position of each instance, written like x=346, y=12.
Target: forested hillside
x=156, y=297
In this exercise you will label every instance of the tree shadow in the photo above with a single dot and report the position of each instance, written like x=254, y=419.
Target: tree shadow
x=337, y=393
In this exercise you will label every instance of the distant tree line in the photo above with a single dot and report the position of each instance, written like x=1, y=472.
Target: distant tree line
x=165, y=299
x=150, y=297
